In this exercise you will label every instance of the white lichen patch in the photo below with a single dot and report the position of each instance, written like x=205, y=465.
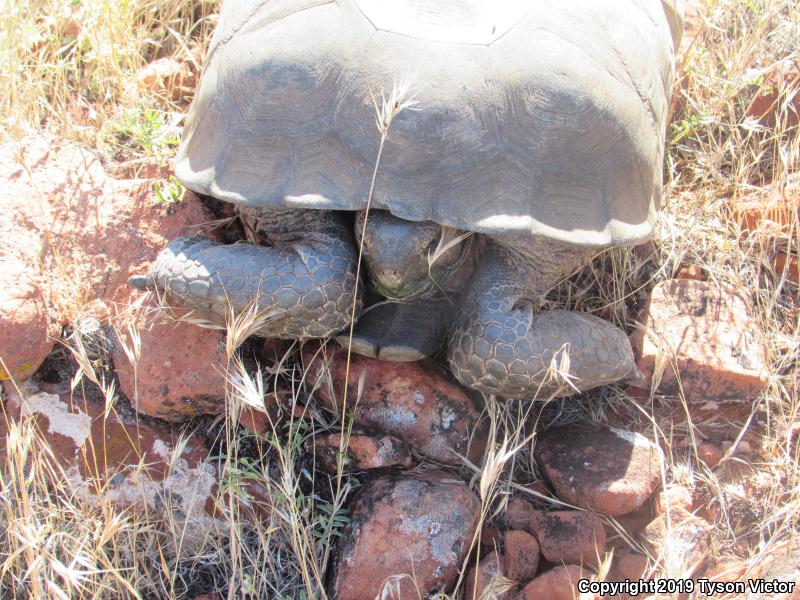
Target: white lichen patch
x=75, y=425
x=395, y=419
x=161, y=448
x=440, y=529
x=180, y=497
x=633, y=438
x=448, y=416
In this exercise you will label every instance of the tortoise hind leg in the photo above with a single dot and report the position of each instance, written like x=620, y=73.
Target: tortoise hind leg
x=500, y=345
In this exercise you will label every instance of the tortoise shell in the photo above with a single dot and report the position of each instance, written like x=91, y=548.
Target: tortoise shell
x=528, y=116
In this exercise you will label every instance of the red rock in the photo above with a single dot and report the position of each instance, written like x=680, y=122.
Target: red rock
x=277, y=404
x=671, y=497
x=415, y=402
x=777, y=103
x=522, y=556
x=679, y=539
x=402, y=524
x=167, y=76
x=706, y=333
x=691, y=272
x=570, y=536
x=486, y=580
x=627, y=565
x=559, y=583
x=788, y=266
x=608, y=470
x=775, y=206
x=634, y=521
x=793, y=437
x=520, y=514
x=211, y=596
x=709, y=454
x=27, y=331
x=131, y=461
x=364, y=451
x=491, y=537
x=179, y=373
x=77, y=235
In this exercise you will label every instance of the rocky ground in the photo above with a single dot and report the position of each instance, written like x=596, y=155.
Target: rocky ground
x=235, y=466
x=110, y=378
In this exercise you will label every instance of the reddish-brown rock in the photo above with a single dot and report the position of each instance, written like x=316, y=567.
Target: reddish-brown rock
x=679, y=539
x=628, y=565
x=415, y=402
x=671, y=497
x=522, y=556
x=364, y=450
x=777, y=102
x=570, y=536
x=710, y=454
x=487, y=580
x=77, y=235
x=491, y=537
x=691, y=272
x=774, y=208
x=559, y=583
x=167, y=76
x=788, y=266
x=179, y=373
x=27, y=331
x=704, y=332
x=520, y=514
x=402, y=524
x=608, y=470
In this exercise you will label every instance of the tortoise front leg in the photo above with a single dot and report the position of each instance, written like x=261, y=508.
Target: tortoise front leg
x=500, y=345
x=299, y=291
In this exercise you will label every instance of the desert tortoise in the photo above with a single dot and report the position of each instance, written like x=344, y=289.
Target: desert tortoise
x=537, y=126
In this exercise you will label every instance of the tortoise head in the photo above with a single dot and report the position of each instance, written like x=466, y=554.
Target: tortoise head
x=405, y=259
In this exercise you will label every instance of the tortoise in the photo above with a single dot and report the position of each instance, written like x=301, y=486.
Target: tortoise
x=532, y=136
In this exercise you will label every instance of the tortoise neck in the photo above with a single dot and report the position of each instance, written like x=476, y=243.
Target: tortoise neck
x=277, y=226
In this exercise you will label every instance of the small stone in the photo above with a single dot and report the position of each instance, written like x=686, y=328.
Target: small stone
x=788, y=266
x=559, y=583
x=691, y=272
x=608, y=470
x=520, y=514
x=486, y=580
x=679, y=539
x=167, y=76
x=490, y=537
x=634, y=521
x=415, y=402
x=522, y=556
x=673, y=496
x=709, y=453
x=628, y=565
x=402, y=524
x=277, y=404
x=704, y=331
x=180, y=371
x=364, y=451
x=778, y=100
x=570, y=536
x=769, y=208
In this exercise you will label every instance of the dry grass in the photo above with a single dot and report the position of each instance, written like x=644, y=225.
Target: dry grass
x=70, y=68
